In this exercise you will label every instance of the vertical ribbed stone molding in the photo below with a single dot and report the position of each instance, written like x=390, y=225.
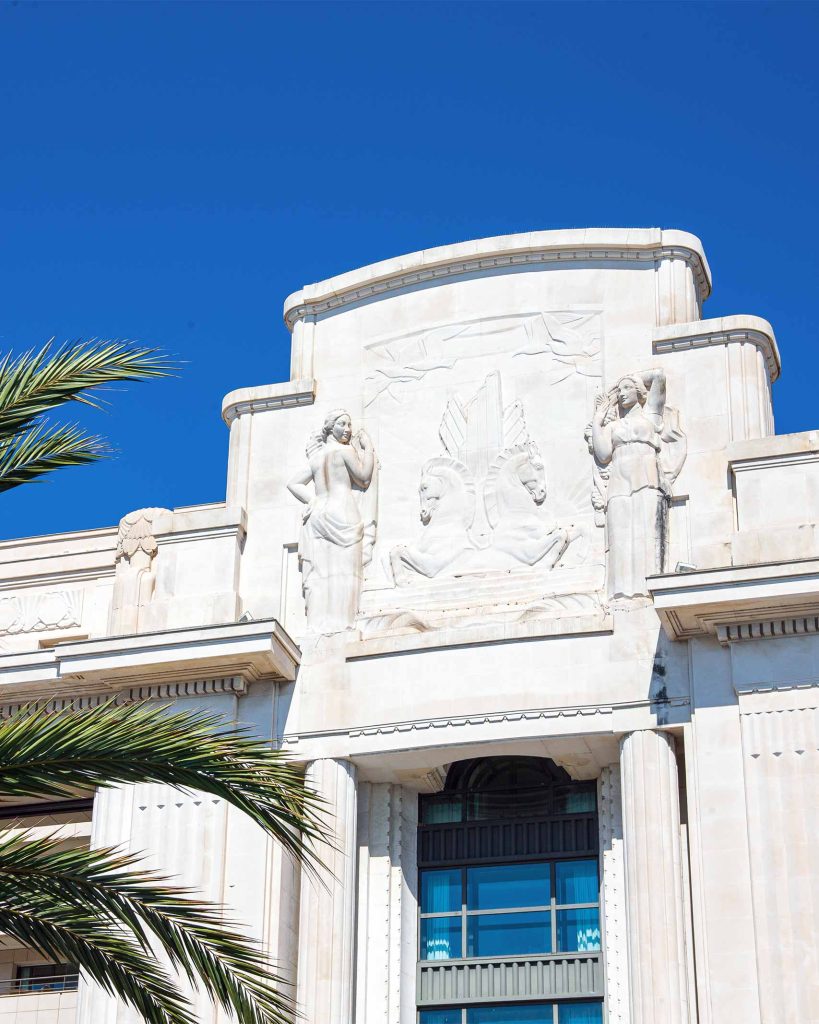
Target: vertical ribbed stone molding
x=610, y=816
x=781, y=754
x=387, y=925
x=327, y=906
x=654, y=903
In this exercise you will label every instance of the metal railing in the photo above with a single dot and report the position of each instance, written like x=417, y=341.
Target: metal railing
x=51, y=983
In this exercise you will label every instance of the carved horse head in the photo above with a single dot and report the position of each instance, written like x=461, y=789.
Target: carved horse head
x=516, y=477
x=447, y=491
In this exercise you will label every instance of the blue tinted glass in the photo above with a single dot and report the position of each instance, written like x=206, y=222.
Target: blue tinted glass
x=440, y=1017
x=540, y=1014
x=508, y=934
x=578, y=930
x=570, y=800
x=441, y=891
x=576, y=881
x=440, y=938
x=513, y=885
x=438, y=812
x=580, y=1013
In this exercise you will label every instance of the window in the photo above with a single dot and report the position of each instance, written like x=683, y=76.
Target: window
x=46, y=978
x=539, y=1013
x=510, y=910
x=508, y=871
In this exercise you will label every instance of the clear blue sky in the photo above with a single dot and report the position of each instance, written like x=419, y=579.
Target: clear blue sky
x=171, y=171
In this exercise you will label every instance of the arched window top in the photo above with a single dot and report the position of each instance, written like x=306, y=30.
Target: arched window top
x=488, y=788
x=504, y=773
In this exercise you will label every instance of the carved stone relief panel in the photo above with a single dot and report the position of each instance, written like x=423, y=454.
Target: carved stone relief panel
x=483, y=422
x=37, y=612
x=481, y=498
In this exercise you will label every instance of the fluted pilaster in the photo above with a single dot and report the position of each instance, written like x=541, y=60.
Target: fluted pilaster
x=654, y=900
x=327, y=906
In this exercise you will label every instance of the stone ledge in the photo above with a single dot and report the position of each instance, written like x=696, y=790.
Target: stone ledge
x=707, y=601
x=635, y=244
x=485, y=633
x=724, y=330
x=285, y=395
x=249, y=650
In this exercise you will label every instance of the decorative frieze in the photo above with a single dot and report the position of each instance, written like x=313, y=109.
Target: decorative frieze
x=36, y=612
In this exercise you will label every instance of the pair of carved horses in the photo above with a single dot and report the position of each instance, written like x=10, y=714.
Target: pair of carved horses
x=514, y=486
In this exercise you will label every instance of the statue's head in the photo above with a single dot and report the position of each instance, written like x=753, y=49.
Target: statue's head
x=339, y=425
x=630, y=392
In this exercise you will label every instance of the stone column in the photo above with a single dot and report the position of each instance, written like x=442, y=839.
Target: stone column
x=327, y=904
x=654, y=898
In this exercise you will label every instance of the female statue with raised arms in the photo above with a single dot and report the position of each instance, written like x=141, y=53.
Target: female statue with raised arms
x=338, y=525
x=638, y=442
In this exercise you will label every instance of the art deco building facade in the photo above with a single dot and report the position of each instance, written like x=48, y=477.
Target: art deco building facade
x=516, y=566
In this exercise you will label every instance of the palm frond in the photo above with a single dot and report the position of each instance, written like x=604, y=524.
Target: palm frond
x=37, y=875
x=36, y=381
x=41, y=449
x=52, y=754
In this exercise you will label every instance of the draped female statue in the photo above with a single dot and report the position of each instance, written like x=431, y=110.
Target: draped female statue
x=338, y=525
x=637, y=440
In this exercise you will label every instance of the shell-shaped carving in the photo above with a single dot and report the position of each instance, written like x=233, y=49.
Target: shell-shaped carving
x=136, y=532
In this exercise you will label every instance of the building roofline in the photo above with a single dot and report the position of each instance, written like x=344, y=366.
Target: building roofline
x=574, y=244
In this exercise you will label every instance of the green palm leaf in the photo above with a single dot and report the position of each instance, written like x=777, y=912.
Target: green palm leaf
x=45, y=754
x=27, y=455
x=48, y=883
x=95, y=908
x=36, y=381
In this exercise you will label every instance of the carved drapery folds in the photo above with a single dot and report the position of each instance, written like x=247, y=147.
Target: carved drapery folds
x=481, y=497
x=135, y=576
x=339, y=521
x=639, y=449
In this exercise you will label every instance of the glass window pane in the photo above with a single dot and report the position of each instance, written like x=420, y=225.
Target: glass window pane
x=440, y=938
x=574, y=800
x=576, y=881
x=540, y=1014
x=578, y=930
x=439, y=812
x=487, y=805
x=441, y=891
x=440, y=1016
x=508, y=934
x=509, y=885
x=580, y=1013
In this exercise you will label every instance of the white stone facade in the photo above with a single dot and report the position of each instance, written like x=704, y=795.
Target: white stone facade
x=536, y=507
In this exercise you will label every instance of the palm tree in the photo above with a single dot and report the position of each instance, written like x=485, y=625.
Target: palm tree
x=96, y=908
x=36, y=382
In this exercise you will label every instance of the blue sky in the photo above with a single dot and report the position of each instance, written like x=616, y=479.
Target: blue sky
x=169, y=172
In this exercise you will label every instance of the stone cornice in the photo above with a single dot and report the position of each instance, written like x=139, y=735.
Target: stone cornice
x=724, y=330
x=158, y=691
x=739, y=603
x=250, y=650
x=287, y=395
x=634, y=245
x=589, y=711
